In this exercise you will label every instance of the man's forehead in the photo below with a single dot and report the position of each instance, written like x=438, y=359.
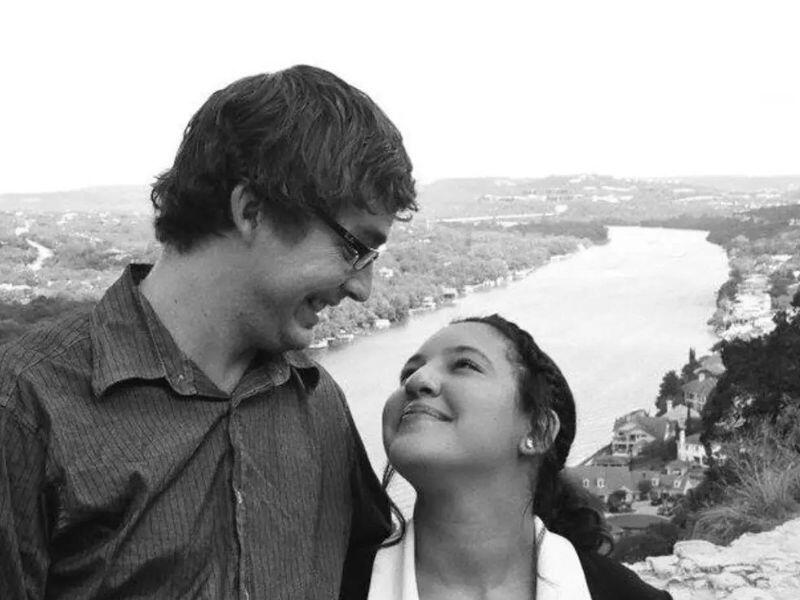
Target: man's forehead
x=372, y=229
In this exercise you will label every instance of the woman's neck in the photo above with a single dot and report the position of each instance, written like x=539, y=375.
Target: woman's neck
x=474, y=544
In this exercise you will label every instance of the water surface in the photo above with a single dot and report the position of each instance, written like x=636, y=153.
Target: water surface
x=614, y=317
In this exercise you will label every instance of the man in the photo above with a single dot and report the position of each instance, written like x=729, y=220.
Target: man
x=170, y=444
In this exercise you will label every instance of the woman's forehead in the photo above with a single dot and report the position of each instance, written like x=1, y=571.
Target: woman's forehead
x=480, y=336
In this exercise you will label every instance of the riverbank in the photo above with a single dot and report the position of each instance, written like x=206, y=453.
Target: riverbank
x=449, y=297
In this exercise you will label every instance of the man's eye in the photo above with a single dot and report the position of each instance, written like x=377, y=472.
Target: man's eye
x=405, y=374
x=349, y=252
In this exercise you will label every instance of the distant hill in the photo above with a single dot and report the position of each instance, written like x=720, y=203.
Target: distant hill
x=563, y=197
x=745, y=184
x=603, y=198
x=111, y=199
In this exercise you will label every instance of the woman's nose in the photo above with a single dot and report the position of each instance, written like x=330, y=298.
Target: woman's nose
x=422, y=382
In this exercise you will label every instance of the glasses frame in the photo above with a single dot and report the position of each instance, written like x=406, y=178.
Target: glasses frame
x=364, y=255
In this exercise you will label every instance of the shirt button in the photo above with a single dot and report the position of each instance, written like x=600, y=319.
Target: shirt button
x=239, y=500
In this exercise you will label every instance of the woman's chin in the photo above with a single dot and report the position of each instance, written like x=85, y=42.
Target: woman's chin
x=415, y=457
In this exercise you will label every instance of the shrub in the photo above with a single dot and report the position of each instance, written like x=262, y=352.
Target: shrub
x=657, y=540
x=763, y=476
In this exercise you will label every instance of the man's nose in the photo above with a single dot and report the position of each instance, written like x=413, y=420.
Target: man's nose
x=422, y=382
x=359, y=285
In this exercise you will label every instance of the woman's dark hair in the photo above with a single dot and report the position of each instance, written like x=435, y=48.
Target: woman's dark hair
x=562, y=506
x=298, y=139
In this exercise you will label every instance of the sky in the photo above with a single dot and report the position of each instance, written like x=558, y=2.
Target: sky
x=99, y=93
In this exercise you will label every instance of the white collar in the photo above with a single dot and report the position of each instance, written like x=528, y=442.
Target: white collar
x=394, y=575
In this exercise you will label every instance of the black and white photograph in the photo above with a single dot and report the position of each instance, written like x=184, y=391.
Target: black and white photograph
x=400, y=301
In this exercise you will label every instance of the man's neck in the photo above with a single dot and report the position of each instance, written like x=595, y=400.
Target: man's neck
x=189, y=295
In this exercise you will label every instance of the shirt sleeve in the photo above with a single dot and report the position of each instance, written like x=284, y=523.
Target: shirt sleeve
x=370, y=522
x=24, y=558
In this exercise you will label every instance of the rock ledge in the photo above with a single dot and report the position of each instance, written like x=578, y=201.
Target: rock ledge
x=757, y=566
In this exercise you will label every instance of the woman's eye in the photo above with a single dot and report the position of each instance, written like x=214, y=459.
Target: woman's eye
x=466, y=363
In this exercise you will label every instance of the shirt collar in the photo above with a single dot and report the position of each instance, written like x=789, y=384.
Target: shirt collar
x=130, y=342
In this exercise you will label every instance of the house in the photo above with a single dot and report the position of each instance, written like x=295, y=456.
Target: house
x=602, y=481
x=675, y=486
x=382, y=324
x=609, y=460
x=692, y=450
x=637, y=429
x=677, y=467
x=652, y=477
x=449, y=295
x=633, y=523
x=671, y=484
x=695, y=393
x=681, y=414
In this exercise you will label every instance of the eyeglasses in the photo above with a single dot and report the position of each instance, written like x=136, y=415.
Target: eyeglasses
x=363, y=255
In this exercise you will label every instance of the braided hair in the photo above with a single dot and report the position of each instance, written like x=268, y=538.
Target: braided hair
x=563, y=507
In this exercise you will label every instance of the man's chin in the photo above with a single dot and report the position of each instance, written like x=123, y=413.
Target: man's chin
x=299, y=337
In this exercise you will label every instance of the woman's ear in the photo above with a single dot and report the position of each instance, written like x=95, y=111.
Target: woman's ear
x=542, y=435
x=245, y=211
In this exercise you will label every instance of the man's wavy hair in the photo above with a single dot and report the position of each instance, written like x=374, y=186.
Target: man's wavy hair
x=297, y=139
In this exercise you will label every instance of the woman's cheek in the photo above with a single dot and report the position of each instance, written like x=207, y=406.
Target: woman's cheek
x=391, y=413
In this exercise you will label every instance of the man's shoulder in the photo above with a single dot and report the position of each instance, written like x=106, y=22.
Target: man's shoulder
x=316, y=377
x=43, y=351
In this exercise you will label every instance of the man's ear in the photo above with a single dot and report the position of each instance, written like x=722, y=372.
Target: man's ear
x=542, y=435
x=245, y=211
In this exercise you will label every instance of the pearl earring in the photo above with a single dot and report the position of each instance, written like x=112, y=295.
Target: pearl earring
x=529, y=443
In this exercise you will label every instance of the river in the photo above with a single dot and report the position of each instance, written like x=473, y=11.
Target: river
x=614, y=317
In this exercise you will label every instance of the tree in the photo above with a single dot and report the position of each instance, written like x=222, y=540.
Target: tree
x=670, y=389
x=657, y=540
x=644, y=486
x=687, y=372
x=617, y=501
x=761, y=379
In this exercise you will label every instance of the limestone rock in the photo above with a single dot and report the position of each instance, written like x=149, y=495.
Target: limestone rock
x=750, y=594
x=757, y=566
x=662, y=566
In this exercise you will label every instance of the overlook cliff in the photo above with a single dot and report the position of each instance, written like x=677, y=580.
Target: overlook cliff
x=756, y=566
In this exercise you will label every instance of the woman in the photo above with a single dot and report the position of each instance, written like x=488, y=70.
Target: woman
x=481, y=427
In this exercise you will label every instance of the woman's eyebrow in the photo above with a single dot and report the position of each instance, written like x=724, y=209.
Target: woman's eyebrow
x=471, y=349
x=410, y=362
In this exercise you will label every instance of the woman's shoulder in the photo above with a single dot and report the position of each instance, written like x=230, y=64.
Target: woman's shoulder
x=393, y=571
x=610, y=579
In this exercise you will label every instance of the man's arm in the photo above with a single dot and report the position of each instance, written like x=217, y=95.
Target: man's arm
x=24, y=558
x=371, y=521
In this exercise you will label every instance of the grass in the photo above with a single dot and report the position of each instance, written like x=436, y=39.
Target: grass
x=765, y=494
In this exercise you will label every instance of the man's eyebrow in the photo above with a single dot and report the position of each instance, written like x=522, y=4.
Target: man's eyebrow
x=370, y=237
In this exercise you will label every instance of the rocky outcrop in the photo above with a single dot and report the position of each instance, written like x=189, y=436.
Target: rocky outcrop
x=761, y=566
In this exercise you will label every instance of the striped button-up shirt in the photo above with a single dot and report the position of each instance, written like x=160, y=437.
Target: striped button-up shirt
x=126, y=473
